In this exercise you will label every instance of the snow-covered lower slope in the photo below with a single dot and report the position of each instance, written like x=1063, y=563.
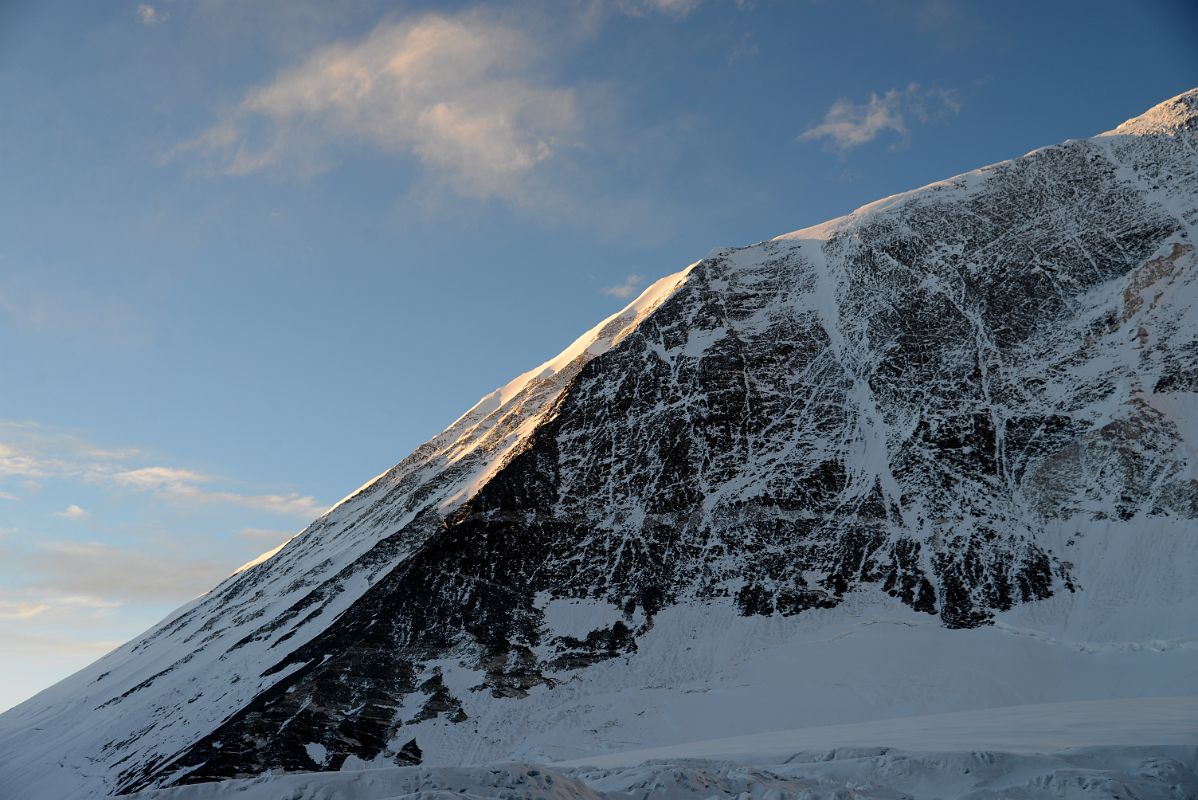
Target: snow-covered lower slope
x=938, y=454
x=1026, y=729
x=1094, y=750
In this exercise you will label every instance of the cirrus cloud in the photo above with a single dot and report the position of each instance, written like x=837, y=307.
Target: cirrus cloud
x=847, y=125
x=21, y=610
x=35, y=453
x=463, y=94
x=673, y=8
x=626, y=288
x=149, y=16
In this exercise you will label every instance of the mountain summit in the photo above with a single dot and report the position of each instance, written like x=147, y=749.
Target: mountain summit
x=938, y=454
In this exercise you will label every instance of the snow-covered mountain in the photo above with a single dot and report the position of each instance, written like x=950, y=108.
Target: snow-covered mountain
x=938, y=454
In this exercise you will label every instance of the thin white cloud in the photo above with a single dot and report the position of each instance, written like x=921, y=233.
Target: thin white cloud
x=49, y=605
x=674, y=8
x=73, y=512
x=464, y=94
x=473, y=104
x=295, y=505
x=187, y=486
x=33, y=452
x=627, y=288
x=149, y=16
x=18, y=464
x=847, y=125
x=11, y=610
x=158, y=478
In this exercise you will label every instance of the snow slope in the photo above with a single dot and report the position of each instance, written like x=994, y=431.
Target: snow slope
x=938, y=454
x=1027, y=730
x=1084, y=750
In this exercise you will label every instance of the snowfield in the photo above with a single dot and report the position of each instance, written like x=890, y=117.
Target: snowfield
x=1096, y=750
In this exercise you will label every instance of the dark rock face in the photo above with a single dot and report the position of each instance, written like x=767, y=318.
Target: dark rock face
x=902, y=401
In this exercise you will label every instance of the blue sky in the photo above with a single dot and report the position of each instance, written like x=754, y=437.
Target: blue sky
x=253, y=253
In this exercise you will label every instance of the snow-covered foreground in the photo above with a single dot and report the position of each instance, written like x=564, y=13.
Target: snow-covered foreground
x=1142, y=748
x=1027, y=730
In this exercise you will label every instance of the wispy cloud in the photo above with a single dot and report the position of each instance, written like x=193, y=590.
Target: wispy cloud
x=15, y=463
x=294, y=505
x=183, y=484
x=674, y=8
x=847, y=125
x=481, y=104
x=73, y=512
x=149, y=16
x=49, y=604
x=21, y=610
x=34, y=453
x=158, y=478
x=464, y=94
x=627, y=288
x=75, y=597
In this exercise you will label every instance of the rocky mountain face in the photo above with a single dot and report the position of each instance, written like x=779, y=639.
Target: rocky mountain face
x=949, y=403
